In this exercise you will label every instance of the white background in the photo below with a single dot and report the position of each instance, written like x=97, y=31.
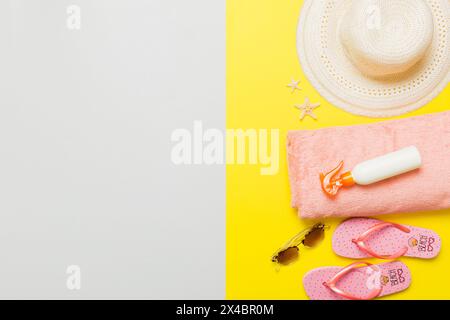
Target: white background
x=85, y=171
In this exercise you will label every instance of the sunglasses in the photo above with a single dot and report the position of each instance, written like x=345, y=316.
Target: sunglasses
x=310, y=237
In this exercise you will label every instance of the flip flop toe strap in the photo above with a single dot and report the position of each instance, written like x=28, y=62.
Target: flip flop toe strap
x=332, y=283
x=361, y=241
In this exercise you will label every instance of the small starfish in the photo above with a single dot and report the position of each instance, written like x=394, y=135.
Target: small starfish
x=307, y=109
x=294, y=85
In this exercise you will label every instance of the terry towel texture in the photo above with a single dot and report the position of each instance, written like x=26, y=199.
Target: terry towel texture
x=428, y=188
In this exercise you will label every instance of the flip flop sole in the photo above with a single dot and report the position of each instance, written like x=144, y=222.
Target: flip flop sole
x=421, y=243
x=394, y=277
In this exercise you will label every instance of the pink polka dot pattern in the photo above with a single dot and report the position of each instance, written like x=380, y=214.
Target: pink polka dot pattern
x=394, y=277
x=421, y=243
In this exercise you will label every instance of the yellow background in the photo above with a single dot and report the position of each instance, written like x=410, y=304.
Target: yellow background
x=261, y=61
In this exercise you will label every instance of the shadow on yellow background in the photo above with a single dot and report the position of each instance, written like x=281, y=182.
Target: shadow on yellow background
x=261, y=61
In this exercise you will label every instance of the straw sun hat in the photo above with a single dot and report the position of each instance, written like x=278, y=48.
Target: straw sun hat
x=377, y=58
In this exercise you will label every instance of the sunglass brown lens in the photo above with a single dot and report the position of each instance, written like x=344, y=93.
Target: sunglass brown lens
x=287, y=256
x=314, y=237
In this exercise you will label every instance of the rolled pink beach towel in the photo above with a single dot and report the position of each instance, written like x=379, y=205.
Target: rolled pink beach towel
x=428, y=188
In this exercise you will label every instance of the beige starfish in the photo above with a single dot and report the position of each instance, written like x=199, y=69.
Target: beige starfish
x=307, y=109
x=294, y=85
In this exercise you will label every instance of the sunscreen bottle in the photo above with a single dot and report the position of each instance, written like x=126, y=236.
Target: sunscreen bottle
x=372, y=171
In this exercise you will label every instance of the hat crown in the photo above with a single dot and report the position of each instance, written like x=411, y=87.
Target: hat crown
x=387, y=37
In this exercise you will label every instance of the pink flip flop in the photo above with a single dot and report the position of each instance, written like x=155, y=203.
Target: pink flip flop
x=359, y=238
x=355, y=282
